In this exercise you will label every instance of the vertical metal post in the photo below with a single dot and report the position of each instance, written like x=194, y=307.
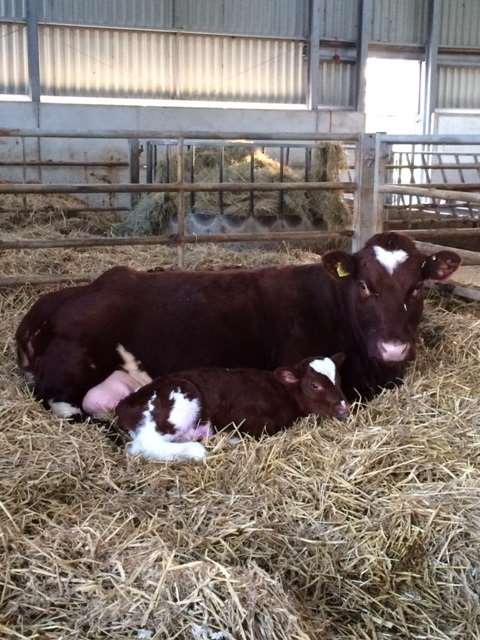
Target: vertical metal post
x=252, y=179
x=220, y=178
x=192, y=177
x=32, y=7
x=32, y=49
x=313, y=97
x=431, y=72
x=180, y=204
x=368, y=203
x=363, y=38
x=149, y=154
x=280, y=193
x=134, y=167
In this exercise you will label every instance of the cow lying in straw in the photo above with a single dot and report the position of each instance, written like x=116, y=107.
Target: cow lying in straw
x=367, y=305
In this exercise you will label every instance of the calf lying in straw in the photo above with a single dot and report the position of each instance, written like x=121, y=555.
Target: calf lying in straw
x=167, y=418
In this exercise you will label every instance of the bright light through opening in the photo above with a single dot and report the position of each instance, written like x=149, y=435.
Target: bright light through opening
x=393, y=95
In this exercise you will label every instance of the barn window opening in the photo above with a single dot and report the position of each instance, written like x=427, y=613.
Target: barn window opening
x=393, y=95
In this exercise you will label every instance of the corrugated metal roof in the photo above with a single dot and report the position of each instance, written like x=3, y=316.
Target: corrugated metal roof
x=115, y=63
x=337, y=84
x=12, y=9
x=458, y=87
x=288, y=18
x=399, y=21
x=13, y=59
x=339, y=19
x=460, y=23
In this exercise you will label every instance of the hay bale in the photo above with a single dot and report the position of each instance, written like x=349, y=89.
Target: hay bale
x=328, y=161
x=327, y=210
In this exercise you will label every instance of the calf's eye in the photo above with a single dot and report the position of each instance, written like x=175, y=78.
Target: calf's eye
x=316, y=386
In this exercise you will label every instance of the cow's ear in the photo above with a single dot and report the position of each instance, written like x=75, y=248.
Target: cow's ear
x=440, y=265
x=339, y=264
x=338, y=359
x=286, y=376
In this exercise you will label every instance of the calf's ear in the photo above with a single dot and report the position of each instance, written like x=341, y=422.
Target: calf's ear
x=286, y=376
x=339, y=264
x=440, y=265
x=338, y=359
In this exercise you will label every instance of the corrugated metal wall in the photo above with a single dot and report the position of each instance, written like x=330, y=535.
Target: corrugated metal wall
x=13, y=59
x=339, y=19
x=288, y=18
x=12, y=9
x=458, y=87
x=337, y=84
x=135, y=64
x=399, y=21
x=92, y=61
x=460, y=25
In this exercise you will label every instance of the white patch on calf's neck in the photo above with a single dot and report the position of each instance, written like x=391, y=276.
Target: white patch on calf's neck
x=184, y=413
x=151, y=444
x=326, y=367
x=390, y=260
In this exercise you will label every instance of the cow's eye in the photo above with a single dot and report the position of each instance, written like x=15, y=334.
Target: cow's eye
x=364, y=290
x=316, y=386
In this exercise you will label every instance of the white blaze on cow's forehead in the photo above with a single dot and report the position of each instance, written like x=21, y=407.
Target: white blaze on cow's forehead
x=390, y=260
x=326, y=367
x=185, y=412
x=149, y=442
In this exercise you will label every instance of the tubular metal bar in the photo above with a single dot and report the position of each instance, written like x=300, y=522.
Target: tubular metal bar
x=65, y=243
x=64, y=163
x=181, y=204
x=440, y=233
x=232, y=136
x=444, y=194
x=431, y=139
x=282, y=163
x=220, y=177
x=252, y=180
x=175, y=187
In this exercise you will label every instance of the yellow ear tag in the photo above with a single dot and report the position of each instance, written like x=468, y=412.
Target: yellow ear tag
x=341, y=273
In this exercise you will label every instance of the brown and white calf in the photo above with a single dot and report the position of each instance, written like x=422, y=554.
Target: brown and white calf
x=168, y=417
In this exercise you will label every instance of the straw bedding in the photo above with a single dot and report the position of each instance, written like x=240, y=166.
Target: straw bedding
x=368, y=529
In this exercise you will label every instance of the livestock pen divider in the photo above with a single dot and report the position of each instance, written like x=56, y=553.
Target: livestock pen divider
x=372, y=165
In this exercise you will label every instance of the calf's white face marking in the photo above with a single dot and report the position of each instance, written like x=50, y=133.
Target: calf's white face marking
x=326, y=367
x=64, y=409
x=153, y=445
x=390, y=260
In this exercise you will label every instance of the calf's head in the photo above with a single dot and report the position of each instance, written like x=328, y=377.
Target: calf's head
x=384, y=287
x=315, y=384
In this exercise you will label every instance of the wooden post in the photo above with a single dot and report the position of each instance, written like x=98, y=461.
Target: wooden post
x=368, y=203
x=181, y=205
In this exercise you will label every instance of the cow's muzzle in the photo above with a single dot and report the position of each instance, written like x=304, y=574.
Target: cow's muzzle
x=393, y=351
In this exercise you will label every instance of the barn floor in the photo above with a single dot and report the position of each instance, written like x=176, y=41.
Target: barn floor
x=368, y=529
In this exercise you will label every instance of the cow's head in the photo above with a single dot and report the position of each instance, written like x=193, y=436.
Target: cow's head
x=316, y=386
x=385, y=291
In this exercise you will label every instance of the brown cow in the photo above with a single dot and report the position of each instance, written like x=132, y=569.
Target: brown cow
x=168, y=417
x=367, y=305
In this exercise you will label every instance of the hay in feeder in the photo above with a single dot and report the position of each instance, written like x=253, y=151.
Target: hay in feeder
x=327, y=209
x=363, y=529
